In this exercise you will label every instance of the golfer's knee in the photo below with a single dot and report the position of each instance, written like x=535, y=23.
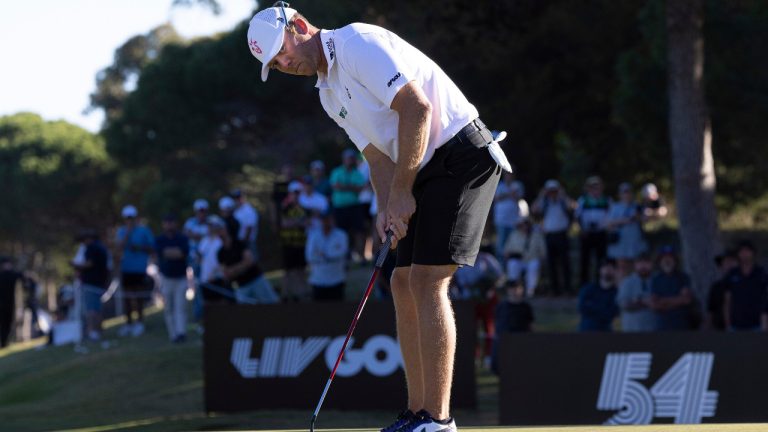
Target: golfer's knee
x=400, y=281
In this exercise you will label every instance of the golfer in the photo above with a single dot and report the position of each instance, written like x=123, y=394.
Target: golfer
x=434, y=167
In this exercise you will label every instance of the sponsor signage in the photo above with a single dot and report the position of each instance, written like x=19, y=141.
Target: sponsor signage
x=633, y=379
x=280, y=356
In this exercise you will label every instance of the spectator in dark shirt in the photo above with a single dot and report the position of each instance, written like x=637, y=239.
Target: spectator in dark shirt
x=746, y=295
x=716, y=301
x=172, y=249
x=279, y=192
x=239, y=268
x=670, y=294
x=597, y=300
x=592, y=216
x=293, y=237
x=9, y=278
x=227, y=207
x=94, y=279
x=513, y=315
x=320, y=181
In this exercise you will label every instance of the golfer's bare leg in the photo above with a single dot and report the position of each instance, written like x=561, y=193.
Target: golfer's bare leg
x=408, y=335
x=437, y=330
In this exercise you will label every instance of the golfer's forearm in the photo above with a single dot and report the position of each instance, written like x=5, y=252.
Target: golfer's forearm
x=382, y=171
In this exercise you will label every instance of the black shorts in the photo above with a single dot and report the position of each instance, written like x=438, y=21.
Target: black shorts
x=133, y=281
x=293, y=258
x=350, y=219
x=453, y=193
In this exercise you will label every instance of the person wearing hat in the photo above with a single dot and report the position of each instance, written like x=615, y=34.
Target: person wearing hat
x=326, y=254
x=426, y=146
x=347, y=182
x=555, y=208
x=248, y=217
x=293, y=238
x=670, y=293
x=320, y=181
x=592, y=217
x=172, y=249
x=196, y=228
x=134, y=243
x=227, y=211
x=523, y=253
x=508, y=207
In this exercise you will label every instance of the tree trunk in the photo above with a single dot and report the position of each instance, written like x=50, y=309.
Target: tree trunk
x=691, y=138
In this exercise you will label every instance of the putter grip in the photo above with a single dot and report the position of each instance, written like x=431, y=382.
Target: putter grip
x=384, y=250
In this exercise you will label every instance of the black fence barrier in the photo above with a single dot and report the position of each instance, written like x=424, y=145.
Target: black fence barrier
x=280, y=356
x=585, y=379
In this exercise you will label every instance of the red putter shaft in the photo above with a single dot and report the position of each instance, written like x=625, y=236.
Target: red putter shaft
x=382, y=255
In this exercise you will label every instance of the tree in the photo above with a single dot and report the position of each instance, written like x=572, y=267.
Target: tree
x=690, y=134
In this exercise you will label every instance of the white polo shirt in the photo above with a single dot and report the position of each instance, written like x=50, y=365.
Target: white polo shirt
x=367, y=66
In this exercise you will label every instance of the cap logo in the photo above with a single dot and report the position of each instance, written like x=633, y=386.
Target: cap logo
x=254, y=46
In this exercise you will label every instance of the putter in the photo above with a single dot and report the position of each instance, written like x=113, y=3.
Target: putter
x=382, y=255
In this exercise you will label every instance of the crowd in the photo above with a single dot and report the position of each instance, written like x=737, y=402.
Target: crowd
x=324, y=225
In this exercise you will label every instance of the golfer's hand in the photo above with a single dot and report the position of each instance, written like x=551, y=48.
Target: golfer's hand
x=400, y=208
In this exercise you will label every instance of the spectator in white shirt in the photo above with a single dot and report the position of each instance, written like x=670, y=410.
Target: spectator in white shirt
x=249, y=221
x=208, y=250
x=196, y=228
x=326, y=253
x=508, y=207
x=524, y=251
x=556, y=210
x=315, y=203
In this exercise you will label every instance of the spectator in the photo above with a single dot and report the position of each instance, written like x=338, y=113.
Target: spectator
x=9, y=278
x=592, y=216
x=134, y=242
x=320, y=181
x=227, y=207
x=513, y=315
x=293, y=236
x=653, y=206
x=196, y=228
x=634, y=297
x=556, y=211
x=479, y=283
x=314, y=203
x=716, y=301
x=248, y=218
x=347, y=182
x=745, y=296
x=326, y=253
x=625, y=235
x=238, y=267
x=670, y=294
x=597, y=301
x=93, y=272
x=508, y=207
x=280, y=191
x=172, y=250
x=208, y=249
x=524, y=251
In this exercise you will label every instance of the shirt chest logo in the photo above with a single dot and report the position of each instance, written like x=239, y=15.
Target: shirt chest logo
x=343, y=113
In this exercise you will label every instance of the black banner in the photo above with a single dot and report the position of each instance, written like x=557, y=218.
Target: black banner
x=687, y=378
x=280, y=356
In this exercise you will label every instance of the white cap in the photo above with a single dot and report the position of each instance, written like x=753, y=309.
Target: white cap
x=295, y=186
x=130, y=211
x=226, y=203
x=200, y=204
x=265, y=35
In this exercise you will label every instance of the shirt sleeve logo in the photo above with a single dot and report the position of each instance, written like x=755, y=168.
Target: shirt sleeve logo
x=394, y=78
